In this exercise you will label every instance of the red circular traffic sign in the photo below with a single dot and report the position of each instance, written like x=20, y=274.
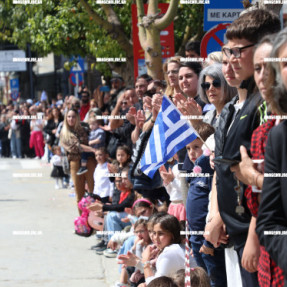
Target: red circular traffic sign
x=73, y=79
x=212, y=34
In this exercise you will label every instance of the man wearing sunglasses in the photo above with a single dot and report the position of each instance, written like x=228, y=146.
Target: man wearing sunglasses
x=237, y=121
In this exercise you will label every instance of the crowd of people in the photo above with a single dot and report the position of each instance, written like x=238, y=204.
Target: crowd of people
x=238, y=100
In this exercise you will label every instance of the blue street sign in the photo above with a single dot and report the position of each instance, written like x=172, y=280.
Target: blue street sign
x=14, y=86
x=77, y=71
x=217, y=15
x=223, y=11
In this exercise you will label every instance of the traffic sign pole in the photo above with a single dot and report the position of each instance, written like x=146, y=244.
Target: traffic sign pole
x=77, y=85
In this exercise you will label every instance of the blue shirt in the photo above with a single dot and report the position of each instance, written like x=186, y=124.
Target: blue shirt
x=198, y=199
x=95, y=134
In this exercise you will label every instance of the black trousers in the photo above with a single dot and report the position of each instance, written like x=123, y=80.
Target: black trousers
x=248, y=279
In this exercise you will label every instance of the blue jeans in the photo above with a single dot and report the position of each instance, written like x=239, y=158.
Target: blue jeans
x=127, y=245
x=213, y=265
x=114, y=223
x=15, y=145
x=85, y=156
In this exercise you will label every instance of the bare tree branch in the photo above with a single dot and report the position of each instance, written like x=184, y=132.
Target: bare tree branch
x=111, y=15
x=141, y=14
x=163, y=22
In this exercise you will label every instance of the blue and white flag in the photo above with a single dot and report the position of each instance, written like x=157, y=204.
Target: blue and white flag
x=169, y=135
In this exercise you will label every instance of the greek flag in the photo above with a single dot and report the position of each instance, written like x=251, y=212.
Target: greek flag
x=170, y=134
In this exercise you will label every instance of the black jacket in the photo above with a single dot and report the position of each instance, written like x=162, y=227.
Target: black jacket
x=246, y=121
x=272, y=215
x=120, y=207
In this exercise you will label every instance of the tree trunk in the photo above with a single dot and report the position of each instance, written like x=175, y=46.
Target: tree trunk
x=153, y=57
x=126, y=70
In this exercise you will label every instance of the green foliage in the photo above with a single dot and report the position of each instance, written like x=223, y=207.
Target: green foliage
x=64, y=27
x=188, y=15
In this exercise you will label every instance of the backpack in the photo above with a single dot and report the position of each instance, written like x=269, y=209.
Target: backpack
x=82, y=226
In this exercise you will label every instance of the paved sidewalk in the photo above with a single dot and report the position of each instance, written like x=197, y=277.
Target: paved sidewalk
x=38, y=244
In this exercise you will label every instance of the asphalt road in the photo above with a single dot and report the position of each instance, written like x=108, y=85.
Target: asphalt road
x=38, y=244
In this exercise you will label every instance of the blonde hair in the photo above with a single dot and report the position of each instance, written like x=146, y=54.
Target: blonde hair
x=67, y=132
x=169, y=90
x=212, y=58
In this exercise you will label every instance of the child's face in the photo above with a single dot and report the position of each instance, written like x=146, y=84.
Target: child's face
x=122, y=157
x=126, y=184
x=58, y=151
x=143, y=211
x=93, y=126
x=118, y=182
x=101, y=157
x=194, y=150
x=150, y=232
x=162, y=237
x=142, y=233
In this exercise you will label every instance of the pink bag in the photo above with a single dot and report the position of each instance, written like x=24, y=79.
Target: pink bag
x=82, y=226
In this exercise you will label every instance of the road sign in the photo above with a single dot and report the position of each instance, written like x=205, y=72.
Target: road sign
x=77, y=72
x=14, y=87
x=217, y=16
x=7, y=64
x=213, y=40
x=224, y=11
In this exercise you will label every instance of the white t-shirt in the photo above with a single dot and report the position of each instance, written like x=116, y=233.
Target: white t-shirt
x=169, y=261
x=103, y=186
x=174, y=188
x=237, y=108
x=56, y=160
x=36, y=125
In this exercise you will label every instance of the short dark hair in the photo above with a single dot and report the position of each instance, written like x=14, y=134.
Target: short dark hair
x=253, y=25
x=102, y=149
x=194, y=66
x=145, y=77
x=204, y=130
x=193, y=46
x=86, y=93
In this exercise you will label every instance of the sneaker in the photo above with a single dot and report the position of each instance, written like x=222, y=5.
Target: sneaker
x=101, y=250
x=110, y=253
x=82, y=170
x=57, y=186
x=99, y=245
x=36, y=157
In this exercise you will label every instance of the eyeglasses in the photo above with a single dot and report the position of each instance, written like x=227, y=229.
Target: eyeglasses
x=236, y=51
x=215, y=84
x=173, y=72
x=124, y=102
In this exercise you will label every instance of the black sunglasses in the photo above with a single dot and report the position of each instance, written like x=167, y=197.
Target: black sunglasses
x=215, y=84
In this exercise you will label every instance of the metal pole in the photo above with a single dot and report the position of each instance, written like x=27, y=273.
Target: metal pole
x=32, y=96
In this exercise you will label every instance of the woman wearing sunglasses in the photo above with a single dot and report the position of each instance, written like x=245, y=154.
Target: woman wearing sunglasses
x=213, y=89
